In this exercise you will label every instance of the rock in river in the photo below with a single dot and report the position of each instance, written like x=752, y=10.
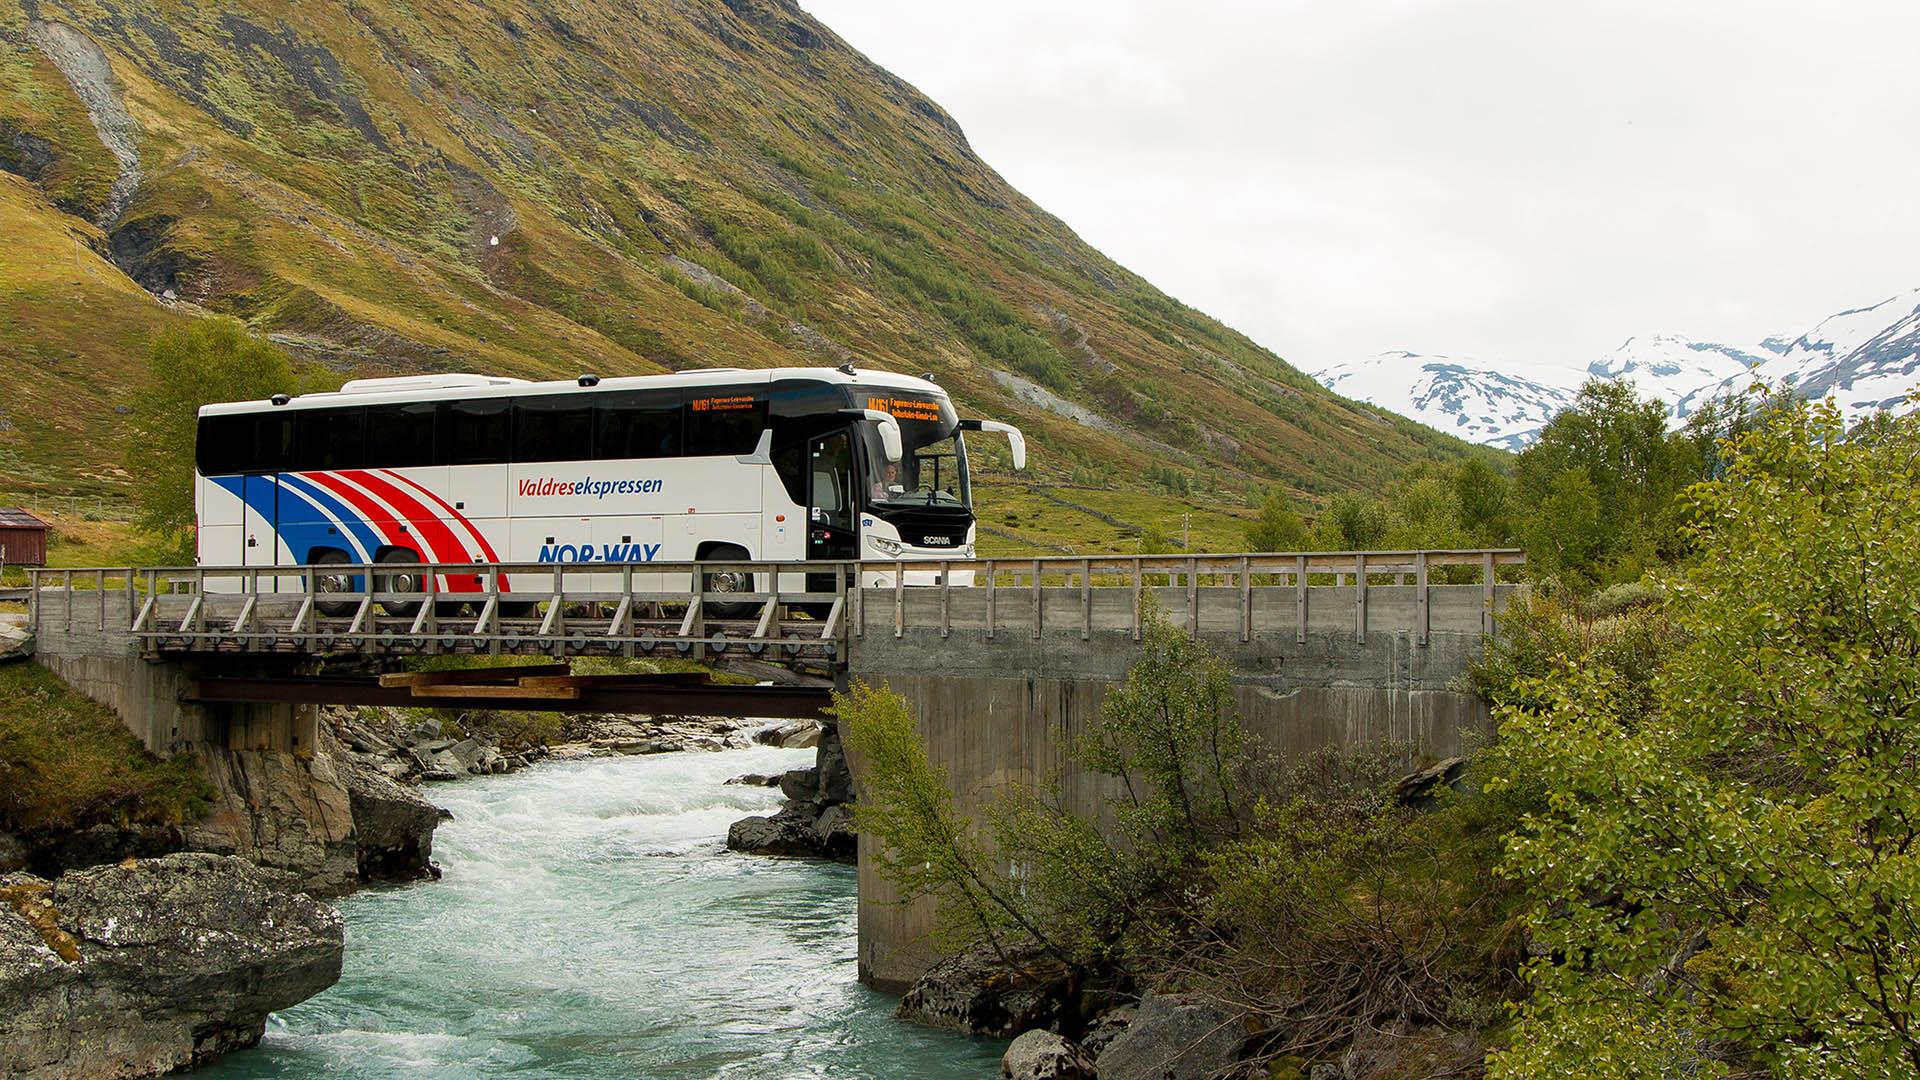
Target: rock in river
x=147, y=966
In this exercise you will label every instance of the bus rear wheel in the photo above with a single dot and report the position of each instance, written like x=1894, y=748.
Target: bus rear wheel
x=402, y=581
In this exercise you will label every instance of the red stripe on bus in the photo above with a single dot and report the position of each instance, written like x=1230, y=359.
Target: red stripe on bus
x=472, y=529
x=427, y=528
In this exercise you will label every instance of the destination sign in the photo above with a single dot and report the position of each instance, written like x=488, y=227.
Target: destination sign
x=906, y=408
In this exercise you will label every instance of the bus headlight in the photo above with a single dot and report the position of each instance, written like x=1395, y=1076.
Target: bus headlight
x=885, y=546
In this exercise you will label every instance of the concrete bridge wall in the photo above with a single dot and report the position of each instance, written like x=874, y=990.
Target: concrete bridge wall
x=82, y=638
x=988, y=709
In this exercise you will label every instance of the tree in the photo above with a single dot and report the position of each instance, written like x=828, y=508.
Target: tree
x=1725, y=873
x=1278, y=528
x=209, y=360
x=1481, y=494
x=1633, y=467
x=1351, y=522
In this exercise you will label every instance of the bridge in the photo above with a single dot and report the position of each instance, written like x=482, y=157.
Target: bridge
x=1339, y=649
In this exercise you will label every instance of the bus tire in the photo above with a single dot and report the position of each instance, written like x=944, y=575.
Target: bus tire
x=403, y=582
x=726, y=581
x=333, y=583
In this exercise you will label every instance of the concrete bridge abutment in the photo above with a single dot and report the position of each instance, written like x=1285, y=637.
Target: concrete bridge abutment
x=995, y=714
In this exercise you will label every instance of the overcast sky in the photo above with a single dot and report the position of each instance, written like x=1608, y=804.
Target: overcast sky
x=1505, y=179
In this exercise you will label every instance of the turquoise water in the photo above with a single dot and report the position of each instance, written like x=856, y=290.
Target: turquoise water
x=592, y=924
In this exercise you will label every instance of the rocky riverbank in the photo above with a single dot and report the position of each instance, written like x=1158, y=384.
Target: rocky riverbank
x=817, y=820
x=152, y=965
x=131, y=950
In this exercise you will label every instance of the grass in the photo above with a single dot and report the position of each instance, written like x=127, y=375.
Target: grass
x=68, y=763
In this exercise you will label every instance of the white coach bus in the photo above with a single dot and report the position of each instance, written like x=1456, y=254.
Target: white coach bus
x=787, y=464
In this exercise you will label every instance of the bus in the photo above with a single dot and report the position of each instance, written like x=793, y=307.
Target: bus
x=787, y=464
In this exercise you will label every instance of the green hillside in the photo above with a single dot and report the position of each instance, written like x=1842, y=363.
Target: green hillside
x=545, y=188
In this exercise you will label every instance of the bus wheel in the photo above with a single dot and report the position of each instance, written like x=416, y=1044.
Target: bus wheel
x=403, y=581
x=326, y=582
x=727, y=581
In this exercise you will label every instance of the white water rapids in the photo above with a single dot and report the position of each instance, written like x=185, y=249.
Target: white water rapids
x=592, y=924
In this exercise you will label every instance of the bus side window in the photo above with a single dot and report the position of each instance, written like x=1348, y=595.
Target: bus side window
x=637, y=424
x=272, y=449
x=474, y=432
x=223, y=444
x=552, y=428
x=400, y=436
x=329, y=439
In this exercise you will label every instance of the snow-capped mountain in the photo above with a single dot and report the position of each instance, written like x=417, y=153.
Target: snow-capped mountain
x=1867, y=359
x=1500, y=405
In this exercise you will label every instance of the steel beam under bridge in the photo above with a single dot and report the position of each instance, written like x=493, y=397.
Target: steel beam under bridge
x=773, y=702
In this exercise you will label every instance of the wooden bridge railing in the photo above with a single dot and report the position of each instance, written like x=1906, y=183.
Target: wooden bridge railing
x=795, y=610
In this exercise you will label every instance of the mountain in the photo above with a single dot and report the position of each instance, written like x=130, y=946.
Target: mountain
x=1479, y=402
x=547, y=187
x=1866, y=359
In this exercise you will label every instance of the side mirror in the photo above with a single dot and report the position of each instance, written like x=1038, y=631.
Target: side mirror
x=889, y=432
x=1015, y=439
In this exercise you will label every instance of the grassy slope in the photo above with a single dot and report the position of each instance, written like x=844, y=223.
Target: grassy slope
x=545, y=189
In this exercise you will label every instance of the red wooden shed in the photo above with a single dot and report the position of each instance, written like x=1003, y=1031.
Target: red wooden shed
x=23, y=538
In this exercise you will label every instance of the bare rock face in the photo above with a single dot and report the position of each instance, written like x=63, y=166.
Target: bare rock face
x=286, y=811
x=817, y=820
x=148, y=966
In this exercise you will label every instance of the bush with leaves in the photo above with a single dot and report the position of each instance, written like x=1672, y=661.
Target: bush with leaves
x=210, y=360
x=1724, y=869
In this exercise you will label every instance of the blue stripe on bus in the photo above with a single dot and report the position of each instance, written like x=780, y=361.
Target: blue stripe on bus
x=301, y=527
x=362, y=535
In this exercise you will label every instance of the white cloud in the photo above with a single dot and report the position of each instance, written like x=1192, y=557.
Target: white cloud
x=1524, y=179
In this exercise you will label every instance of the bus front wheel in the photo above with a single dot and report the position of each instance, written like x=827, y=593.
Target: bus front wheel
x=329, y=582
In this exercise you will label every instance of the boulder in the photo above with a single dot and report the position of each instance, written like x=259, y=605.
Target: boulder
x=149, y=966
x=1378, y=1053
x=800, y=784
x=13, y=853
x=1421, y=790
x=836, y=777
x=982, y=992
x=1042, y=1055
x=1175, y=1037
x=16, y=643
x=393, y=827
x=782, y=834
x=833, y=834
x=1105, y=1028
x=756, y=779
x=794, y=734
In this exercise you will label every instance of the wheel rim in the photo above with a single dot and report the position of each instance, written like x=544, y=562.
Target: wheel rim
x=728, y=581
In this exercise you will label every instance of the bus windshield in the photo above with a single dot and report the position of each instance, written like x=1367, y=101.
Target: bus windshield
x=932, y=471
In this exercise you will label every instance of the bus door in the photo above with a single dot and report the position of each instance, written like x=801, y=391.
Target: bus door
x=260, y=525
x=833, y=503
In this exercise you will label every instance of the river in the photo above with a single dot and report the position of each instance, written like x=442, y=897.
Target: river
x=592, y=924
